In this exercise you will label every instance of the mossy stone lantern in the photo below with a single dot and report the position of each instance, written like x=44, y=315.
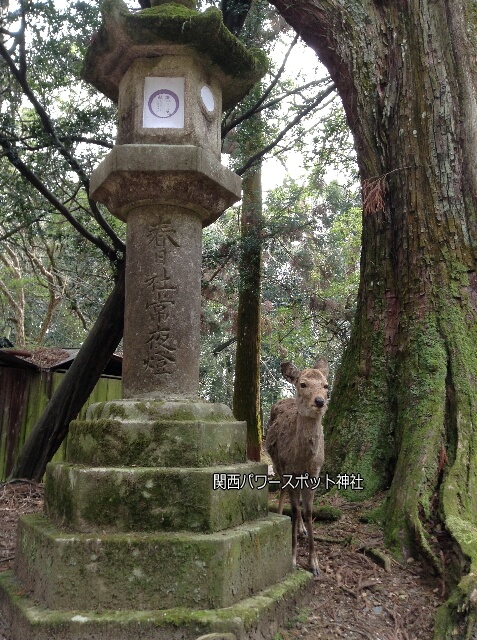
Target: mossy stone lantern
x=172, y=71
x=156, y=525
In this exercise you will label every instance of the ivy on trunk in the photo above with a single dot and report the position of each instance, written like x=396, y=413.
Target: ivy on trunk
x=403, y=411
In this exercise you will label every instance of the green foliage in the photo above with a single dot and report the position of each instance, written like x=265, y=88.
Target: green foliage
x=333, y=147
x=53, y=131
x=311, y=242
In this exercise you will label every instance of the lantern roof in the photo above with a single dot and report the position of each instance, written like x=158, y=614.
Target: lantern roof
x=170, y=29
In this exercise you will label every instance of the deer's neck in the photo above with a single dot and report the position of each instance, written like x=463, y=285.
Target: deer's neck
x=310, y=426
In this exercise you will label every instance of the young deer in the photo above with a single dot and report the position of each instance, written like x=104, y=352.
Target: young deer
x=295, y=444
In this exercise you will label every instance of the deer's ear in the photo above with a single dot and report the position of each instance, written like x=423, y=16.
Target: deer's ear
x=290, y=372
x=322, y=365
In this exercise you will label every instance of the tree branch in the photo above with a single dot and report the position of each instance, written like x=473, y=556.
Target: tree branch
x=97, y=141
x=49, y=129
x=20, y=227
x=29, y=175
x=21, y=42
x=250, y=112
x=42, y=114
x=259, y=155
x=224, y=345
x=8, y=295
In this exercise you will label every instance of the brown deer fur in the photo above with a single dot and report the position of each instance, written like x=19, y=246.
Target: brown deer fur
x=295, y=443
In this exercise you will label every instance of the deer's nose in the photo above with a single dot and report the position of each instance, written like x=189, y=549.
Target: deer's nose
x=319, y=402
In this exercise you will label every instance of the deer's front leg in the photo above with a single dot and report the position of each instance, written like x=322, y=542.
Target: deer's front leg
x=301, y=527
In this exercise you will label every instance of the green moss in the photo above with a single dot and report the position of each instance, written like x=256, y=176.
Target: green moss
x=170, y=11
x=327, y=513
x=96, y=410
x=358, y=430
x=174, y=23
x=58, y=498
x=187, y=412
x=97, y=441
x=205, y=32
x=121, y=570
x=301, y=617
x=376, y=516
x=142, y=407
x=266, y=608
x=189, y=4
x=116, y=410
x=419, y=435
x=166, y=442
x=145, y=499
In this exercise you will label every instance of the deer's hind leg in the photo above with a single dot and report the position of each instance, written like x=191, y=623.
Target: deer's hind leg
x=307, y=496
x=281, y=501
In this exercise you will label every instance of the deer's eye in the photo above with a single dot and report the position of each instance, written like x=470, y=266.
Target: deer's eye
x=302, y=385
x=325, y=386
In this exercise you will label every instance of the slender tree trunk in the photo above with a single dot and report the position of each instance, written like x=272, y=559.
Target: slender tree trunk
x=246, y=401
x=75, y=388
x=403, y=411
x=15, y=295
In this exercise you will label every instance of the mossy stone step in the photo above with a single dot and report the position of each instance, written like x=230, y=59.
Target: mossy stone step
x=88, y=499
x=255, y=618
x=157, y=434
x=143, y=571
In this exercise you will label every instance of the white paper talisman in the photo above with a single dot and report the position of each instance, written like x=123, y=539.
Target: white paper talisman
x=163, y=103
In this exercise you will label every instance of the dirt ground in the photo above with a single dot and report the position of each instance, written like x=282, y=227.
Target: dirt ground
x=354, y=598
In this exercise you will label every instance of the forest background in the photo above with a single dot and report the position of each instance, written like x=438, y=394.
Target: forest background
x=280, y=273
x=60, y=252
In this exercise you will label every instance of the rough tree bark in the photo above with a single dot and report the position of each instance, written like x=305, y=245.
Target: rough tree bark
x=79, y=381
x=403, y=411
x=246, y=400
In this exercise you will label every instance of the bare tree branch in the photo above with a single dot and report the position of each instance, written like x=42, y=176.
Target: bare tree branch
x=35, y=181
x=259, y=155
x=264, y=96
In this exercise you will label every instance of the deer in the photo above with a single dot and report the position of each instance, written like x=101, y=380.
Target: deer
x=295, y=444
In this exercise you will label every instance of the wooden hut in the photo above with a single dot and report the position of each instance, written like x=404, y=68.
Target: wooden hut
x=27, y=381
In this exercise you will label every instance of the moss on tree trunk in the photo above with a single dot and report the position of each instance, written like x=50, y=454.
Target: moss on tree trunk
x=246, y=400
x=404, y=407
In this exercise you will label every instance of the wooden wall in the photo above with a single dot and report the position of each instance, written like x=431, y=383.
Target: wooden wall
x=24, y=394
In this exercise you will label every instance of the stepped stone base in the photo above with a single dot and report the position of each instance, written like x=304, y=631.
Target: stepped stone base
x=157, y=434
x=255, y=618
x=138, y=539
x=157, y=570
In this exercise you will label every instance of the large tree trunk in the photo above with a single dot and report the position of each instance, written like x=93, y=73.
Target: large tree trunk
x=75, y=388
x=403, y=411
x=246, y=401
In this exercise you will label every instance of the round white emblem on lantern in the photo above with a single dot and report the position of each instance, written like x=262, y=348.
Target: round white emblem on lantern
x=163, y=103
x=207, y=98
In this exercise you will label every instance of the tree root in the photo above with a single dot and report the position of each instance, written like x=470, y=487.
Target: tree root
x=377, y=556
x=457, y=618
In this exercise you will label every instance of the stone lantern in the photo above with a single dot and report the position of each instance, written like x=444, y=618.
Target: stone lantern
x=157, y=526
x=170, y=71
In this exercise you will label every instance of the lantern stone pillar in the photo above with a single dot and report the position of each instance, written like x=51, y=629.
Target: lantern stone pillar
x=166, y=194
x=156, y=525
